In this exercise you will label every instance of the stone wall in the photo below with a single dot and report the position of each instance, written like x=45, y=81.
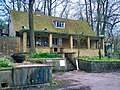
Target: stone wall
x=23, y=75
x=9, y=45
x=58, y=64
x=99, y=66
x=6, y=78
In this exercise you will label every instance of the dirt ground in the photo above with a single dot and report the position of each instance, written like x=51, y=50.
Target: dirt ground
x=78, y=80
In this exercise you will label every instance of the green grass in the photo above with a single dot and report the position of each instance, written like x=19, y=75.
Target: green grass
x=44, y=55
x=5, y=63
x=102, y=59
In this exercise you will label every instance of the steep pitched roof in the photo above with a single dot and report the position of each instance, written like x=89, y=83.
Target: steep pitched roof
x=41, y=22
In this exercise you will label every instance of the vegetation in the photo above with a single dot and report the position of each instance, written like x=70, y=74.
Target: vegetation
x=102, y=59
x=44, y=55
x=5, y=63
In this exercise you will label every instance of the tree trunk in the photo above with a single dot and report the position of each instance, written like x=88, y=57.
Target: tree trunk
x=31, y=27
x=24, y=6
x=91, y=18
x=13, y=2
x=44, y=7
x=98, y=17
x=49, y=6
x=86, y=11
x=18, y=4
x=105, y=10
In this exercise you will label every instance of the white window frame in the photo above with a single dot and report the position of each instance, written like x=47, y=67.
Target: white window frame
x=56, y=22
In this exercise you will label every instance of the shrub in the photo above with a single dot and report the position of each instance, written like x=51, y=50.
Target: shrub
x=5, y=62
x=44, y=55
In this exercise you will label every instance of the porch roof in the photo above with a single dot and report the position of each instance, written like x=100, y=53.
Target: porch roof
x=61, y=33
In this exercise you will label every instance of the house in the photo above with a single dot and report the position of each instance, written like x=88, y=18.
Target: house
x=54, y=34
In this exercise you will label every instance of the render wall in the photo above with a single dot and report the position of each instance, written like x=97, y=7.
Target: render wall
x=85, y=52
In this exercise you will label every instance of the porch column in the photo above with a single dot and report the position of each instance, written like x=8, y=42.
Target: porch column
x=24, y=41
x=71, y=41
x=50, y=40
x=88, y=42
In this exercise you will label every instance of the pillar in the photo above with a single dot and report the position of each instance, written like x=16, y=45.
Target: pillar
x=71, y=41
x=21, y=43
x=50, y=40
x=24, y=41
x=103, y=46
x=88, y=42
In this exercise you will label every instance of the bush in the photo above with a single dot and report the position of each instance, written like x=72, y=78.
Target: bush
x=5, y=62
x=44, y=55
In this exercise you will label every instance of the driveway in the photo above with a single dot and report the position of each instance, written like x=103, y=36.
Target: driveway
x=79, y=80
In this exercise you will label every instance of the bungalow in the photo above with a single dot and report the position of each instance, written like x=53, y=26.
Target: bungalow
x=54, y=34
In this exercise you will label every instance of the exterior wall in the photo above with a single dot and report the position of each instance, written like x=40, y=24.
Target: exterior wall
x=84, y=52
x=9, y=45
x=11, y=27
x=65, y=43
x=43, y=50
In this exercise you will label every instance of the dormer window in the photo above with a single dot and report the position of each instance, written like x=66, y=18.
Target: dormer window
x=59, y=24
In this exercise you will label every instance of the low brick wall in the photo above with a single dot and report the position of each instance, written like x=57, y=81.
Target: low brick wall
x=23, y=75
x=99, y=66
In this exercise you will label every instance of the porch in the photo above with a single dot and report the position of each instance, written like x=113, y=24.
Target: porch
x=55, y=42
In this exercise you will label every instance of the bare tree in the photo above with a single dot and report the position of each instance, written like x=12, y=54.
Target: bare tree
x=98, y=17
x=31, y=27
x=86, y=5
x=91, y=16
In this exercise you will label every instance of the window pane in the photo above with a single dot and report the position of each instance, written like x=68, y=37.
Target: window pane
x=60, y=41
x=38, y=41
x=55, y=41
x=59, y=24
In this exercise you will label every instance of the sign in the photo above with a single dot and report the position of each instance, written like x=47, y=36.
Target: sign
x=62, y=62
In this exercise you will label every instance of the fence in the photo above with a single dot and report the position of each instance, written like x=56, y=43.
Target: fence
x=9, y=45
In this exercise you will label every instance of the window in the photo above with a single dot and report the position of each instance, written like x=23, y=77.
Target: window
x=38, y=41
x=55, y=41
x=59, y=24
x=46, y=43
x=60, y=41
